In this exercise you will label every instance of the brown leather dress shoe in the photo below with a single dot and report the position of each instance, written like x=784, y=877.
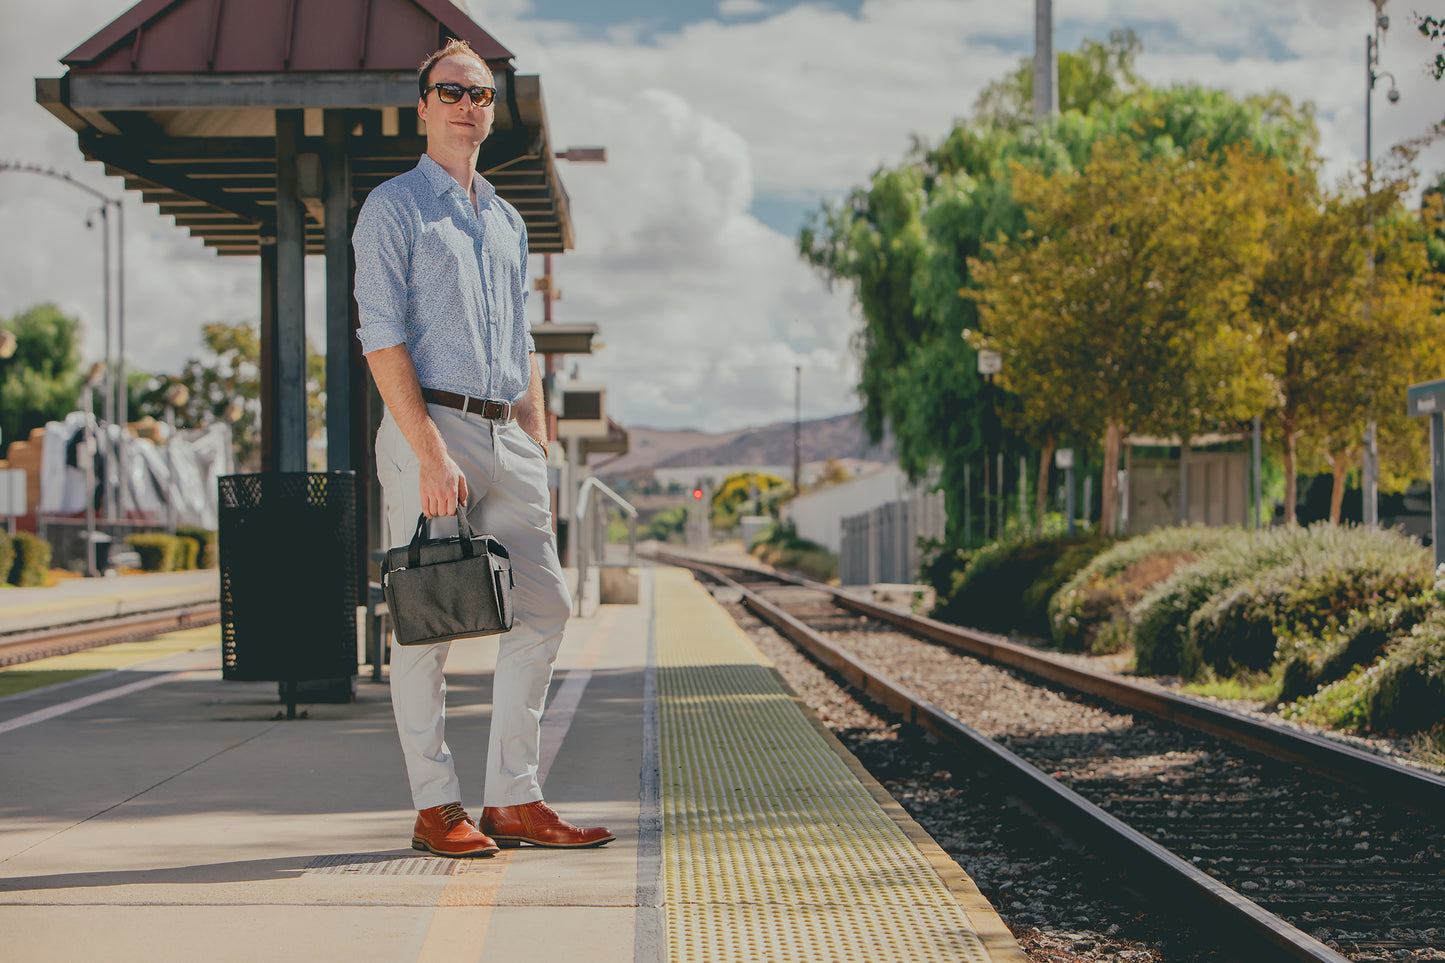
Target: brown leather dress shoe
x=448, y=831
x=536, y=823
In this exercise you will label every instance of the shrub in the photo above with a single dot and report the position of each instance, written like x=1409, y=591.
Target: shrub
x=1239, y=628
x=990, y=591
x=1160, y=619
x=1038, y=596
x=1408, y=694
x=1311, y=660
x=7, y=556
x=188, y=550
x=205, y=540
x=1403, y=692
x=32, y=560
x=1163, y=640
x=667, y=523
x=781, y=548
x=158, y=551
x=818, y=564
x=1091, y=610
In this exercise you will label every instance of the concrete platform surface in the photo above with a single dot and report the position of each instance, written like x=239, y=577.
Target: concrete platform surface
x=158, y=813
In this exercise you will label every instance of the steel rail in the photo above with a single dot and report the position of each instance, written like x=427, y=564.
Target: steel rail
x=27, y=646
x=1356, y=768
x=1246, y=924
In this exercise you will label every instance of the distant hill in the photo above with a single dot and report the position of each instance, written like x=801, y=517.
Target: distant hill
x=841, y=436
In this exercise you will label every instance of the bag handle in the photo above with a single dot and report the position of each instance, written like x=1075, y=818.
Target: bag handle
x=464, y=529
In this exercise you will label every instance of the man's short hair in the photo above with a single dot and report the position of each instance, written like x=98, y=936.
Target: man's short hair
x=453, y=48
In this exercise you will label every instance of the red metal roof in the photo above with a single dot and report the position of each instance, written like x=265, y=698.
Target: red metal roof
x=267, y=36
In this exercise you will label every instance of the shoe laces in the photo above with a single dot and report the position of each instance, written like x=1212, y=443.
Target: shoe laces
x=453, y=813
x=549, y=815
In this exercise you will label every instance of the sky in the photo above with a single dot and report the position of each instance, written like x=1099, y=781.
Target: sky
x=726, y=123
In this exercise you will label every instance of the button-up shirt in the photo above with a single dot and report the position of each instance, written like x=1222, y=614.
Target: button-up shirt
x=446, y=280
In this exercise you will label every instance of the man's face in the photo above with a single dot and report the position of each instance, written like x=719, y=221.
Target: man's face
x=459, y=126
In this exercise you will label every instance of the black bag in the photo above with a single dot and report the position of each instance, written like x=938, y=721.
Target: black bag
x=439, y=589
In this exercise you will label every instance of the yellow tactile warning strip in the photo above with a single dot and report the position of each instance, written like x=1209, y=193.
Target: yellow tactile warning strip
x=771, y=847
x=62, y=668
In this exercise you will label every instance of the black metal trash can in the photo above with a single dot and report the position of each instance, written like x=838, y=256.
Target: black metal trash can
x=289, y=578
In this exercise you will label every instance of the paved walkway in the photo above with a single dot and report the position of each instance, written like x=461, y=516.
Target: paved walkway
x=154, y=812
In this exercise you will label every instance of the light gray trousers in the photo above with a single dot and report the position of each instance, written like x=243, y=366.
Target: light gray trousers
x=506, y=475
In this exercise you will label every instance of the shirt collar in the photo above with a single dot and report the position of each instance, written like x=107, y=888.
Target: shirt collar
x=442, y=182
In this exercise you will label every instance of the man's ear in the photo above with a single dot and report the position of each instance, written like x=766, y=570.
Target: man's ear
x=421, y=108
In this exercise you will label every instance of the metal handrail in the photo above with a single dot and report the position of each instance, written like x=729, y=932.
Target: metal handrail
x=590, y=487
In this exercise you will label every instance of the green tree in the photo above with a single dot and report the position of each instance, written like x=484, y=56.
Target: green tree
x=224, y=383
x=1124, y=306
x=1348, y=306
x=41, y=381
x=1098, y=74
x=1433, y=28
x=741, y=490
x=905, y=242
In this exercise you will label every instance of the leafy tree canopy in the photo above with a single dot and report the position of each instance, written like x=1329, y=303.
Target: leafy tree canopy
x=41, y=381
x=905, y=241
x=225, y=383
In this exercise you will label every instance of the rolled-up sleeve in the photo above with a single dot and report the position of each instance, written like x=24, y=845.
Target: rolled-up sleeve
x=382, y=254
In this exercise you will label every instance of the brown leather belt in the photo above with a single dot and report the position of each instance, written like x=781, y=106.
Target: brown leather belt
x=486, y=407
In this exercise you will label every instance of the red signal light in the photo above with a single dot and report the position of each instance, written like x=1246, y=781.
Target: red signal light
x=697, y=493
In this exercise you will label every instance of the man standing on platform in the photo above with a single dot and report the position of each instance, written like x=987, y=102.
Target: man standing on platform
x=441, y=284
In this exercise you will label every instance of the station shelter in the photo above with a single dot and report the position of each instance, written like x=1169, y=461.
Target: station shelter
x=260, y=126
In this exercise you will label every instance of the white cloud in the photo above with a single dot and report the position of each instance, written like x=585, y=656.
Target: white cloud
x=704, y=310
x=741, y=8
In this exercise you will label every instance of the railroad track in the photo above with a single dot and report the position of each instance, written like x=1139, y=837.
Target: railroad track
x=29, y=645
x=1276, y=854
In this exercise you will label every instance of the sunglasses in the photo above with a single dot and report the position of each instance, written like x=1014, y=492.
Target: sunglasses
x=452, y=93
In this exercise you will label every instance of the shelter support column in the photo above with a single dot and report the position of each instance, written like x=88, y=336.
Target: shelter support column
x=268, y=352
x=343, y=404
x=287, y=356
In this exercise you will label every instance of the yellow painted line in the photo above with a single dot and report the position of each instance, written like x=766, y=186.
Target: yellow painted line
x=63, y=668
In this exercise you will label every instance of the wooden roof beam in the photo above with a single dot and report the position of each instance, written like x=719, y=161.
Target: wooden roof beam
x=120, y=156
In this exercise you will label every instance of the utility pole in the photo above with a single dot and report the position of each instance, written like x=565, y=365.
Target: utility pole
x=1370, y=470
x=1046, y=78
x=797, y=429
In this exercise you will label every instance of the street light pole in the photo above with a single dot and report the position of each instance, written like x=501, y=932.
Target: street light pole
x=1046, y=77
x=118, y=384
x=122, y=398
x=1370, y=469
x=797, y=429
x=106, y=384
x=94, y=377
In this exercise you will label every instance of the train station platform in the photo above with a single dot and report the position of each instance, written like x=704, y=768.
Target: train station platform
x=82, y=599
x=153, y=811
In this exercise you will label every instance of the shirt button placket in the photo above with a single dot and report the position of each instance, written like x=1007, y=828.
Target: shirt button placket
x=488, y=323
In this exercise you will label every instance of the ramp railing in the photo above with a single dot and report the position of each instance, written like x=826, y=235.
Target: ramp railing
x=592, y=530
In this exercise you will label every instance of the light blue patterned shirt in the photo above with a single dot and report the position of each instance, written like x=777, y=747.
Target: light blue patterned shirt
x=448, y=282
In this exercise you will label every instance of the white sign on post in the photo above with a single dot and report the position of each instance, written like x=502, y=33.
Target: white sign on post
x=989, y=362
